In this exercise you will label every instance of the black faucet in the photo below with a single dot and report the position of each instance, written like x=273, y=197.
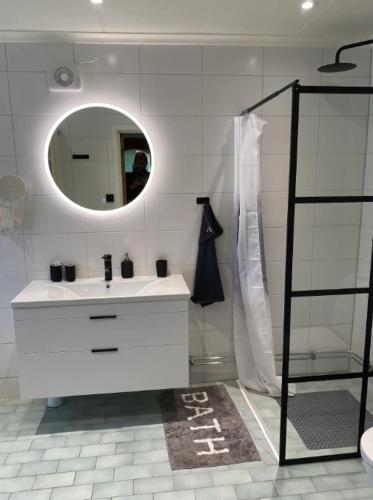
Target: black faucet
x=108, y=269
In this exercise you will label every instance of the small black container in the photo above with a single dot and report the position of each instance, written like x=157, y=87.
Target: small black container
x=55, y=272
x=70, y=272
x=127, y=267
x=161, y=266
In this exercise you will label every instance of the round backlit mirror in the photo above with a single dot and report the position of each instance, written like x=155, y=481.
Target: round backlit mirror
x=100, y=157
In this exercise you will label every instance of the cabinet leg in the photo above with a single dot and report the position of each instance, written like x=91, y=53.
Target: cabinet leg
x=55, y=402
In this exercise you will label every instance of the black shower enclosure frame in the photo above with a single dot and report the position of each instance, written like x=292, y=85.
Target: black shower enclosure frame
x=293, y=201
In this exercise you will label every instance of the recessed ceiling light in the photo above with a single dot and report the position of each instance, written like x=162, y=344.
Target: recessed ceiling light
x=96, y=1
x=308, y=4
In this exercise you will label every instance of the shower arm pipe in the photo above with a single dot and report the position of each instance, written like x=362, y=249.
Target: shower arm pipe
x=351, y=46
x=270, y=97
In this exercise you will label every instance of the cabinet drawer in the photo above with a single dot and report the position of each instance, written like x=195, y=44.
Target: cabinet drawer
x=74, y=373
x=78, y=334
x=84, y=311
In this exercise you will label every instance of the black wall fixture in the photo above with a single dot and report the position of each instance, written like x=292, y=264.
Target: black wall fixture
x=339, y=66
x=81, y=157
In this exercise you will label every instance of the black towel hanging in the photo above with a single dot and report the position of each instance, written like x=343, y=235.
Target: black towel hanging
x=207, y=283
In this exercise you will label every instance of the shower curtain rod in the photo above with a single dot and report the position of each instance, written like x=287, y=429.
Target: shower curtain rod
x=269, y=98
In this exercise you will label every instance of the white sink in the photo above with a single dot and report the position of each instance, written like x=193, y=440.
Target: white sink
x=94, y=290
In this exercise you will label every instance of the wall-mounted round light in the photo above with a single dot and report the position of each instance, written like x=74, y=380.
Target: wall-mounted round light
x=308, y=4
x=96, y=1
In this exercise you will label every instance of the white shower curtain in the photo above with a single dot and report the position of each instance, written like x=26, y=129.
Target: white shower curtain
x=252, y=324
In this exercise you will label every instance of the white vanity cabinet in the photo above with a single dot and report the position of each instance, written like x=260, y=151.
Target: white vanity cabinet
x=105, y=343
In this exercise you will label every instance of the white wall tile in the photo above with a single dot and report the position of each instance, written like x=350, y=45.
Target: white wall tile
x=171, y=60
x=110, y=58
x=7, y=335
x=4, y=94
x=118, y=90
x=218, y=133
x=172, y=212
x=38, y=56
x=180, y=135
x=340, y=242
x=325, y=339
x=30, y=95
x=42, y=249
x=343, y=135
x=333, y=273
x=274, y=243
x=218, y=174
x=338, y=214
x=30, y=134
x=6, y=136
x=340, y=172
x=11, y=283
x=276, y=135
x=229, y=95
x=232, y=60
x=274, y=209
x=177, y=247
x=31, y=169
x=222, y=205
x=274, y=171
x=131, y=219
x=117, y=244
x=51, y=214
x=218, y=343
x=331, y=310
x=11, y=251
x=8, y=165
x=177, y=174
x=3, y=65
x=171, y=95
x=292, y=61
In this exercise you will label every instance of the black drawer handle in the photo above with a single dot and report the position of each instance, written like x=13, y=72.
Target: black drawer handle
x=110, y=316
x=108, y=349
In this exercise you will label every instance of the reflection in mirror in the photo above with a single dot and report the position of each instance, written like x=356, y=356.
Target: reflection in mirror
x=99, y=158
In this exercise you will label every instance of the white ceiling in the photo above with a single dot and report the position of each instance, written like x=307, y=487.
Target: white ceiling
x=187, y=21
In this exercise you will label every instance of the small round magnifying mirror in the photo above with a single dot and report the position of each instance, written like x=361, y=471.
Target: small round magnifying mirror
x=12, y=189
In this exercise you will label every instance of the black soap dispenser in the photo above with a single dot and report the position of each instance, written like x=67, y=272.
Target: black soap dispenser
x=127, y=267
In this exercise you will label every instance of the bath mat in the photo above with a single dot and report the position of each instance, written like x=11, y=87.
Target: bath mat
x=204, y=429
x=326, y=419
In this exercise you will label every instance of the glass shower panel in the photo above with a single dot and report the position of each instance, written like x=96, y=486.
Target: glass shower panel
x=330, y=246
x=323, y=418
x=332, y=146
x=327, y=335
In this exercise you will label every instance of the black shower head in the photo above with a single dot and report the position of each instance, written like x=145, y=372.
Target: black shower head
x=337, y=67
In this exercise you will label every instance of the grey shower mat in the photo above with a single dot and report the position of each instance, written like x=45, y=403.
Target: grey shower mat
x=326, y=419
x=192, y=417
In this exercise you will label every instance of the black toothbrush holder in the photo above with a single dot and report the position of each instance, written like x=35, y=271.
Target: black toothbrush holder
x=161, y=267
x=55, y=271
x=70, y=272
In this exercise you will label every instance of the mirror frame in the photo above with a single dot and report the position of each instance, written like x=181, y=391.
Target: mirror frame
x=53, y=183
